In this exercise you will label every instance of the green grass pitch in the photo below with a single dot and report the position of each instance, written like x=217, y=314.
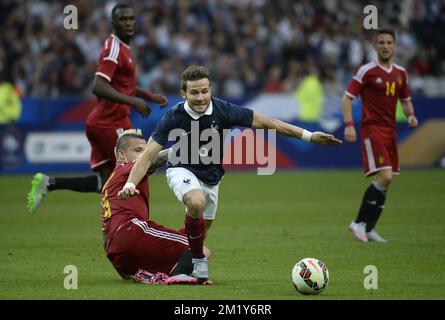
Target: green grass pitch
x=264, y=225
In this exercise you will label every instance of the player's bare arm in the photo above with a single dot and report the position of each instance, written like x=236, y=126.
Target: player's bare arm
x=160, y=160
x=140, y=169
x=103, y=88
x=408, y=109
x=350, y=134
x=261, y=121
x=159, y=99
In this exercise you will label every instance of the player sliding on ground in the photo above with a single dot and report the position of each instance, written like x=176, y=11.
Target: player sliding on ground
x=138, y=248
x=196, y=184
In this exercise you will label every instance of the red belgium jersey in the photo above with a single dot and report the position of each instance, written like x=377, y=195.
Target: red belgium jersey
x=380, y=89
x=117, y=66
x=115, y=212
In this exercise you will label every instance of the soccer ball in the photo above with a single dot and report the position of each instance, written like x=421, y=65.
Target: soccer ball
x=310, y=276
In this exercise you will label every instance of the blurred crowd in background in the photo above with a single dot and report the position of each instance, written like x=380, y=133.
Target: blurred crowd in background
x=250, y=46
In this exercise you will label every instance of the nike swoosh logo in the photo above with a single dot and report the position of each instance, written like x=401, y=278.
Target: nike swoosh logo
x=198, y=236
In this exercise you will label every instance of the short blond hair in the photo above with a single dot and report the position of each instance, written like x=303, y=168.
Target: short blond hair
x=123, y=141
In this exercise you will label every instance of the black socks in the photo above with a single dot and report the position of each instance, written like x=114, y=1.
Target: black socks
x=372, y=206
x=81, y=184
x=184, y=265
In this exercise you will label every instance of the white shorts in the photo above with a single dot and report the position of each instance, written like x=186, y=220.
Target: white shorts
x=181, y=181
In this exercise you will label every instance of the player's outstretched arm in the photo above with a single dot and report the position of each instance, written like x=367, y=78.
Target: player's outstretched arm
x=261, y=121
x=140, y=169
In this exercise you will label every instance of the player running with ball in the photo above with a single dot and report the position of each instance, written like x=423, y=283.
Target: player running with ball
x=196, y=184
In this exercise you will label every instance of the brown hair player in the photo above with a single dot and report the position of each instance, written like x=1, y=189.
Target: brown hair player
x=380, y=84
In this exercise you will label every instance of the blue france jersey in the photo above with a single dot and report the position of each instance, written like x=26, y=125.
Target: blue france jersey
x=219, y=116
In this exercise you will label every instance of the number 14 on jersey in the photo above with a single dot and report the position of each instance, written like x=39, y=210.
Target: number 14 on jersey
x=390, y=88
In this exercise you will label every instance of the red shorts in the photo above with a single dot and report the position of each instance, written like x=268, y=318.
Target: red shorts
x=146, y=245
x=102, y=141
x=379, y=154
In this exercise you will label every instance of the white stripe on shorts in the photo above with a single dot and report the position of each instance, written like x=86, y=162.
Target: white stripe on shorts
x=370, y=155
x=158, y=233
x=379, y=169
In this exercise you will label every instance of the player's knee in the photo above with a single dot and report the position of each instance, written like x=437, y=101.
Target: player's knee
x=195, y=203
x=198, y=205
x=385, y=178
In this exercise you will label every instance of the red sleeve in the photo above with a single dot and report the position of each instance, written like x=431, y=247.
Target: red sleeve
x=128, y=166
x=405, y=93
x=108, y=60
x=354, y=89
x=355, y=86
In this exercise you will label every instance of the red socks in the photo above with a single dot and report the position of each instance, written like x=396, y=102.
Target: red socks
x=194, y=228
